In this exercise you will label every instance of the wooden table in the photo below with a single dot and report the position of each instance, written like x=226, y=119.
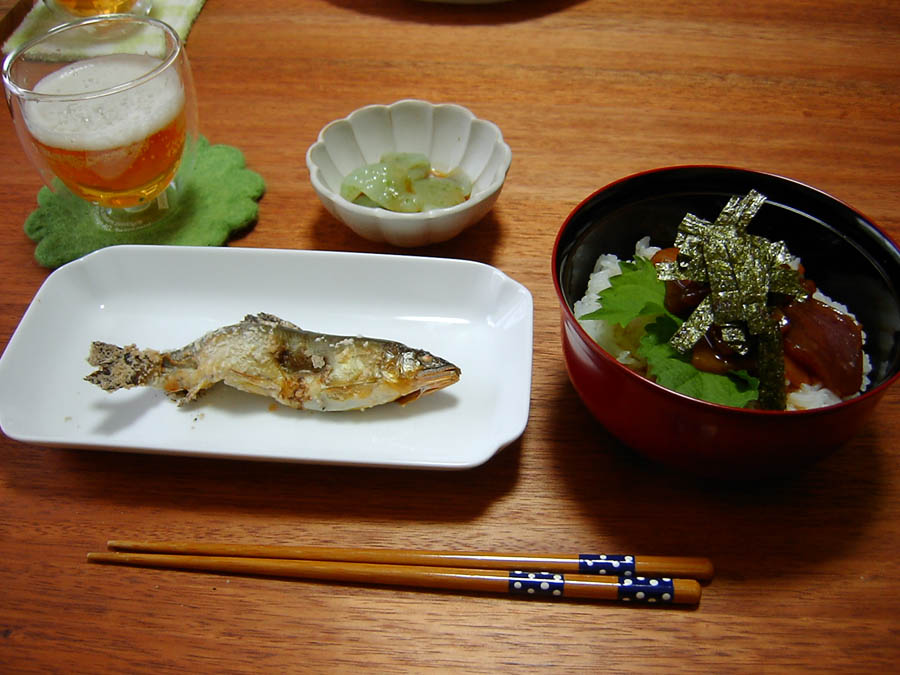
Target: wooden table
x=585, y=92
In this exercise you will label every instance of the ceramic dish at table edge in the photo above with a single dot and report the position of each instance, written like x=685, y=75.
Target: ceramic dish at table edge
x=468, y=312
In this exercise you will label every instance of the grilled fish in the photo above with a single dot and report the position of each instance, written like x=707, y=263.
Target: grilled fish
x=272, y=357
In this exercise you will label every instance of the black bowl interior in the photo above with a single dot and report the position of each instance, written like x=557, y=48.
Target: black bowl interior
x=847, y=256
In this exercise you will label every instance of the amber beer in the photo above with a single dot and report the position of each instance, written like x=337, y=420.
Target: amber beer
x=117, y=150
x=94, y=7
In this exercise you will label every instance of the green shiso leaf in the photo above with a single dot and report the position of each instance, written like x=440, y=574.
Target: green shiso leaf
x=638, y=292
x=635, y=292
x=674, y=370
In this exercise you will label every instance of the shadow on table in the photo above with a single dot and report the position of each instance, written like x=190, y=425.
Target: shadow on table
x=493, y=13
x=752, y=529
x=334, y=493
x=478, y=242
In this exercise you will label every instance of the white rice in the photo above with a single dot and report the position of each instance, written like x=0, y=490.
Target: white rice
x=613, y=340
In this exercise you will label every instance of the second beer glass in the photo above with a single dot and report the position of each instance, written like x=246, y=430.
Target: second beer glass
x=80, y=9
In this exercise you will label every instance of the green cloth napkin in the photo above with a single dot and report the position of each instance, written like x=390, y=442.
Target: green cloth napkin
x=220, y=202
x=179, y=14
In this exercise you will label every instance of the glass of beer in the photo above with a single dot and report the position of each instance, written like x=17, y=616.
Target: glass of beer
x=80, y=9
x=105, y=109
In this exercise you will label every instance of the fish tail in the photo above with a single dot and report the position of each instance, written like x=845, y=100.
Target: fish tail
x=122, y=367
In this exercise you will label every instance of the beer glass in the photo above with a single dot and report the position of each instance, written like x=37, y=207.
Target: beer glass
x=79, y=9
x=105, y=109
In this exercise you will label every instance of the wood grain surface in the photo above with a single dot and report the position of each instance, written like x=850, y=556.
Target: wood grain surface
x=585, y=93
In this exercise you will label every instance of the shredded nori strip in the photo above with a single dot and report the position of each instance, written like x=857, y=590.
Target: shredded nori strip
x=770, y=365
x=742, y=270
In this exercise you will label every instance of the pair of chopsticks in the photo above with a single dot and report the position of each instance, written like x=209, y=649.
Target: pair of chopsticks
x=642, y=579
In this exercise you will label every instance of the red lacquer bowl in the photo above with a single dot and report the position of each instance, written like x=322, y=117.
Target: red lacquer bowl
x=847, y=256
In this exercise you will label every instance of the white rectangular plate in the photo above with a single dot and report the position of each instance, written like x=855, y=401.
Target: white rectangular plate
x=164, y=297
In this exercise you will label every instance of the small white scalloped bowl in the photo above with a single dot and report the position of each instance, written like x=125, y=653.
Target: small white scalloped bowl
x=448, y=134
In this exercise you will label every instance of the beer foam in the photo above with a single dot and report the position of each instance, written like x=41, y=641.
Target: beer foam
x=109, y=121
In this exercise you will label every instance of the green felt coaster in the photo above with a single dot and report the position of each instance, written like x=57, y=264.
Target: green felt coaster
x=220, y=201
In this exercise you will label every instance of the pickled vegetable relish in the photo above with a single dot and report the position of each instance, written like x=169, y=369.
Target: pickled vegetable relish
x=405, y=182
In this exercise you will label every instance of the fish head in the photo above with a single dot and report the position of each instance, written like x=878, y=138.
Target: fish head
x=421, y=372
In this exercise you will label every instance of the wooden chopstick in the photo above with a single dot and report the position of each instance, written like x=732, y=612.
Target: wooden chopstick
x=660, y=591
x=599, y=564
